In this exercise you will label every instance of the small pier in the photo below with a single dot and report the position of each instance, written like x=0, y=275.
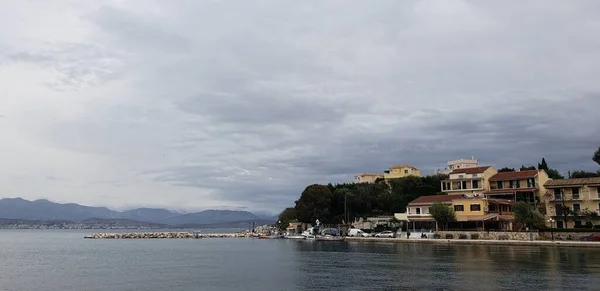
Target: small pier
x=170, y=235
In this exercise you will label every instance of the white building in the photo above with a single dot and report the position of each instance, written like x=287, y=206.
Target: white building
x=457, y=164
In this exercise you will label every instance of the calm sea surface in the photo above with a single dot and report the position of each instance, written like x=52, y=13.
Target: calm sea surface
x=63, y=260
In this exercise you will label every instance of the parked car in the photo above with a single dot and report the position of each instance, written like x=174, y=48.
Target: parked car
x=591, y=237
x=357, y=232
x=386, y=233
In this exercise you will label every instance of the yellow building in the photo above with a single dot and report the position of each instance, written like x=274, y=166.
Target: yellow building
x=483, y=209
x=367, y=178
x=472, y=182
x=577, y=194
x=527, y=186
x=471, y=212
x=401, y=171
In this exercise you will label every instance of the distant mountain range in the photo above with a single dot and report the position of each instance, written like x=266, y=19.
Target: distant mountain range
x=44, y=210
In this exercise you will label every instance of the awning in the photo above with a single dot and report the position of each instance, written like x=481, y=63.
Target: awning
x=477, y=217
x=421, y=219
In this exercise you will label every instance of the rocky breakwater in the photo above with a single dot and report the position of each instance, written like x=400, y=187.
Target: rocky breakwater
x=171, y=235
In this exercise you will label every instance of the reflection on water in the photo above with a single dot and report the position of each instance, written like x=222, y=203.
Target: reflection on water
x=446, y=267
x=63, y=260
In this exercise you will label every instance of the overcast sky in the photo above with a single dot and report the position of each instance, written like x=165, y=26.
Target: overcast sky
x=241, y=104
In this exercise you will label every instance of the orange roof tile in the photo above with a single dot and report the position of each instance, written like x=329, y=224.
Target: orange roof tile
x=502, y=176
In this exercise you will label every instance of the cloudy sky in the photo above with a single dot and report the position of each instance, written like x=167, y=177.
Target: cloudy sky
x=241, y=104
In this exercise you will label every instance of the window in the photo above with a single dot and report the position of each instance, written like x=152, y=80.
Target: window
x=418, y=210
x=475, y=207
x=474, y=176
x=576, y=207
x=459, y=208
x=557, y=194
x=530, y=182
x=499, y=184
x=577, y=223
x=405, y=171
x=575, y=192
x=461, y=176
x=559, y=224
x=464, y=185
x=559, y=210
x=443, y=186
x=475, y=184
x=598, y=192
x=514, y=184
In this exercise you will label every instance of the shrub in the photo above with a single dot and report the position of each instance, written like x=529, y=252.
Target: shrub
x=503, y=237
x=474, y=236
x=437, y=236
x=449, y=236
x=462, y=236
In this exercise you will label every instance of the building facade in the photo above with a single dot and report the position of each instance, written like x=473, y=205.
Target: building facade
x=471, y=212
x=457, y=164
x=472, y=182
x=527, y=186
x=579, y=195
x=367, y=178
x=401, y=171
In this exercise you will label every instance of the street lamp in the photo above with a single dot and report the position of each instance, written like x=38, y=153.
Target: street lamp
x=551, y=221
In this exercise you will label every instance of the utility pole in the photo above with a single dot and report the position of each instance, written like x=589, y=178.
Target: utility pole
x=345, y=208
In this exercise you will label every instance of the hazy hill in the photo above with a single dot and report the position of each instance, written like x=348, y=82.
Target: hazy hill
x=18, y=208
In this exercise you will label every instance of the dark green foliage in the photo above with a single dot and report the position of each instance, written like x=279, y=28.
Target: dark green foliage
x=326, y=203
x=526, y=214
x=543, y=165
x=528, y=168
x=596, y=157
x=506, y=169
x=314, y=203
x=442, y=214
x=449, y=236
x=286, y=216
x=552, y=173
x=437, y=236
x=474, y=236
x=462, y=236
x=584, y=174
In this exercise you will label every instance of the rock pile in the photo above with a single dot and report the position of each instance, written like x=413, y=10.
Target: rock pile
x=153, y=235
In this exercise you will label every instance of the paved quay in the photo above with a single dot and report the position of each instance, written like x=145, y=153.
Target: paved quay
x=479, y=242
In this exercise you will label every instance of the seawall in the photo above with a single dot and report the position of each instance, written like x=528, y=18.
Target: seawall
x=478, y=242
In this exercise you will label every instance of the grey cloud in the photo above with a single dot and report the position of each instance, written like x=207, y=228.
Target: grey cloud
x=252, y=101
x=78, y=66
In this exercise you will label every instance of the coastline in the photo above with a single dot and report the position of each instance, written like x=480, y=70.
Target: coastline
x=584, y=244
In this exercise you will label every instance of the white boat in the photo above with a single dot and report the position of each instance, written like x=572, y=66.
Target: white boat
x=311, y=237
x=329, y=238
x=294, y=237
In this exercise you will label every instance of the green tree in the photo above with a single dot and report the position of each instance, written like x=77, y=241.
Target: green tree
x=584, y=174
x=596, y=157
x=552, y=173
x=589, y=216
x=528, y=168
x=506, y=169
x=286, y=216
x=543, y=165
x=528, y=215
x=314, y=203
x=442, y=214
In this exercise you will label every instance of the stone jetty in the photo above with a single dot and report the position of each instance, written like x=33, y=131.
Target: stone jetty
x=171, y=235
